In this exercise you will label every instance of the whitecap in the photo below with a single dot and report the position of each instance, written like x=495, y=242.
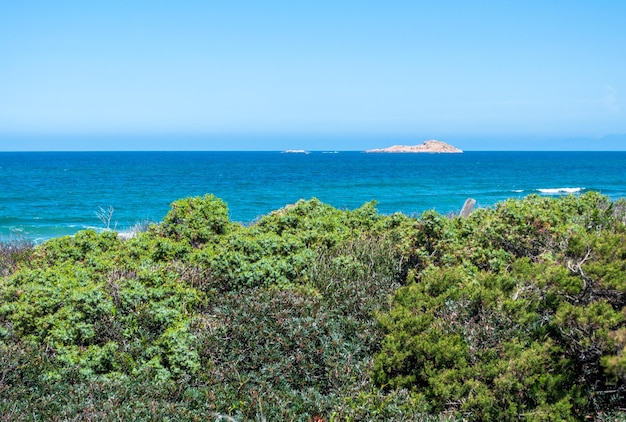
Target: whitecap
x=557, y=191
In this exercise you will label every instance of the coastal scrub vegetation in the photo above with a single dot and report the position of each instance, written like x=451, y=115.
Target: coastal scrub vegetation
x=515, y=312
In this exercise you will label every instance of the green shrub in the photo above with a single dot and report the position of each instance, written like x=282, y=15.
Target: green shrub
x=514, y=312
x=197, y=220
x=314, y=313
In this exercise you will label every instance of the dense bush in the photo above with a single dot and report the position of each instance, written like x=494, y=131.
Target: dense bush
x=197, y=220
x=258, y=321
x=515, y=312
x=314, y=313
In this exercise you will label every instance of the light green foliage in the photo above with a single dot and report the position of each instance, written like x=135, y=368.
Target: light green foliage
x=197, y=296
x=314, y=313
x=102, y=305
x=197, y=220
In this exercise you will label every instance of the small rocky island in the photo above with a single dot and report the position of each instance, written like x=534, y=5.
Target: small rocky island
x=430, y=146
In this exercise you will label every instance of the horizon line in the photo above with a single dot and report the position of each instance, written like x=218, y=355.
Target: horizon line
x=308, y=151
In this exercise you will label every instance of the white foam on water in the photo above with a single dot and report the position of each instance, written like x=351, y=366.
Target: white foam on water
x=557, y=191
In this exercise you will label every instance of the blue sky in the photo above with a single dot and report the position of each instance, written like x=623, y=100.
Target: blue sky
x=312, y=74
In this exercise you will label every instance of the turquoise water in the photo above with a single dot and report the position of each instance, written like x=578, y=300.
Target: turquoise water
x=49, y=194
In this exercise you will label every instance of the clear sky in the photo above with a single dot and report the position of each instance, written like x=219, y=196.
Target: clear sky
x=318, y=74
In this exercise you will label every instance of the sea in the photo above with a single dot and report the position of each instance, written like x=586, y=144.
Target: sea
x=50, y=194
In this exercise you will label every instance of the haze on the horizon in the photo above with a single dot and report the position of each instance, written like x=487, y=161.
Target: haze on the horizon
x=341, y=75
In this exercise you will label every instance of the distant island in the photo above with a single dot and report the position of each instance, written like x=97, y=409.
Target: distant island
x=430, y=146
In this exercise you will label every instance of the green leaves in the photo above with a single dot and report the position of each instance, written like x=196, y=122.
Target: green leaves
x=197, y=220
x=515, y=312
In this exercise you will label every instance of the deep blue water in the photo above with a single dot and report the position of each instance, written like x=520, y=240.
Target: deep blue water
x=49, y=194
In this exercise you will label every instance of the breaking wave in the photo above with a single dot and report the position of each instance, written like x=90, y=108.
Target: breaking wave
x=558, y=191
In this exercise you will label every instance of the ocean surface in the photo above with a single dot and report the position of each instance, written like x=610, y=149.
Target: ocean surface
x=50, y=194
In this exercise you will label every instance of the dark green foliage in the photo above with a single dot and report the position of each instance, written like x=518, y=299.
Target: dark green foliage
x=514, y=312
x=314, y=313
